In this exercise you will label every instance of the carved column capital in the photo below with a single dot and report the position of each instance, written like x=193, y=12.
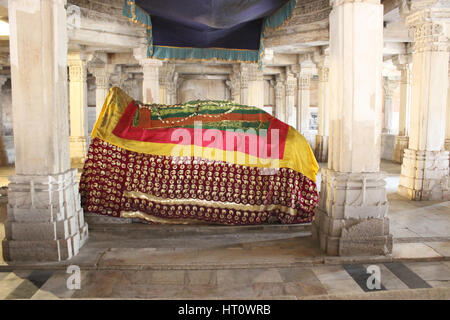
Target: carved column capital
x=430, y=27
x=150, y=68
x=322, y=62
x=152, y=63
x=244, y=75
x=76, y=61
x=101, y=75
x=254, y=73
x=279, y=89
x=403, y=62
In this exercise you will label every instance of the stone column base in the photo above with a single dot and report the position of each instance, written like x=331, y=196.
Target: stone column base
x=321, y=150
x=401, y=143
x=78, y=150
x=425, y=175
x=351, y=219
x=447, y=144
x=45, y=219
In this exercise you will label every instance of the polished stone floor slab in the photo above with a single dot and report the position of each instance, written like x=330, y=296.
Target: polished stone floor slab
x=404, y=251
x=406, y=275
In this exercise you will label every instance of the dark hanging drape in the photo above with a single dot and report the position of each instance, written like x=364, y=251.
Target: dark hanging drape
x=208, y=29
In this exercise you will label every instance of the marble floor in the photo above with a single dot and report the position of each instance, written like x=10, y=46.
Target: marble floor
x=408, y=280
x=142, y=261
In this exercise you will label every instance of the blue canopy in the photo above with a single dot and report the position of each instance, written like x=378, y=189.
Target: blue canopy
x=229, y=30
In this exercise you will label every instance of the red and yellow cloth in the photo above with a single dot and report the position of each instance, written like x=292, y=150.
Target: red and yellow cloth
x=199, y=162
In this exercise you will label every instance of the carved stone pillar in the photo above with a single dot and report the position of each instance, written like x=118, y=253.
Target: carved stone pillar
x=234, y=97
x=150, y=67
x=139, y=79
x=171, y=93
x=163, y=84
x=79, y=135
x=3, y=152
x=150, y=84
x=321, y=149
x=244, y=79
x=290, y=99
x=130, y=84
x=45, y=219
x=447, y=132
x=403, y=63
x=425, y=169
x=389, y=87
x=167, y=84
x=303, y=113
x=255, y=86
x=101, y=73
x=280, y=106
x=388, y=135
x=235, y=85
x=352, y=214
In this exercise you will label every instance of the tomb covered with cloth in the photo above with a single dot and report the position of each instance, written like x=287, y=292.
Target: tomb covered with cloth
x=211, y=162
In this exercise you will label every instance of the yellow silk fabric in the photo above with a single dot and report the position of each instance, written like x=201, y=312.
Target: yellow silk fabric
x=297, y=153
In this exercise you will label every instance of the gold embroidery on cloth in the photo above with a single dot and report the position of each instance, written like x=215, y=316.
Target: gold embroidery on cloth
x=150, y=218
x=208, y=203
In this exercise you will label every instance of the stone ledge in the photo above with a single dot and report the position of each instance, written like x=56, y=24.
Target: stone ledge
x=95, y=219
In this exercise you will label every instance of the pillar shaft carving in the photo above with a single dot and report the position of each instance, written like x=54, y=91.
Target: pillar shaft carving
x=244, y=75
x=425, y=169
x=166, y=83
x=290, y=91
x=290, y=87
x=79, y=135
x=102, y=74
x=303, y=112
x=280, y=100
x=321, y=147
x=404, y=64
x=389, y=86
